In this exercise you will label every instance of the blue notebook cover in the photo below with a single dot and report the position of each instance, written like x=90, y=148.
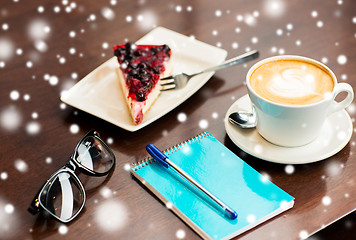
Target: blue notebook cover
x=220, y=171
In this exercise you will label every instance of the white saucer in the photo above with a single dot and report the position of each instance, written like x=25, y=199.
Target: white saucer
x=336, y=133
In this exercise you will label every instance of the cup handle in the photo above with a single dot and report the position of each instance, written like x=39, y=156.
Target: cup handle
x=337, y=106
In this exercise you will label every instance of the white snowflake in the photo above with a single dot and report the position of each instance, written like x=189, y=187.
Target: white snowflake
x=234, y=45
x=21, y=165
x=254, y=40
x=178, y=8
x=128, y=18
x=4, y=175
x=105, y=192
x=289, y=26
x=251, y=218
x=314, y=14
x=108, y=13
x=38, y=29
x=111, y=215
x=127, y=167
x=147, y=20
x=326, y=200
x=72, y=50
x=74, y=128
x=274, y=8
x=53, y=80
x=289, y=169
x=63, y=230
x=48, y=160
x=319, y=24
x=57, y=9
x=182, y=117
x=169, y=205
x=29, y=64
x=33, y=128
x=203, y=124
x=40, y=9
x=92, y=17
x=250, y=20
x=303, y=234
x=9, y=208
x=5, y=26
x=105, y=45
x=218, y=13
x=180, y=234
x=7, y=49
x=110, y=141
x=72, y=34
x=41, y=45
x=10, y=118
x=342, y=59
x=14, y=95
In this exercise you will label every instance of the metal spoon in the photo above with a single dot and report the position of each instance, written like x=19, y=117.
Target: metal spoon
x=243, y=119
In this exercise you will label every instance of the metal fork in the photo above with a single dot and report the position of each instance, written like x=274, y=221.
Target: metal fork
x=178, y=81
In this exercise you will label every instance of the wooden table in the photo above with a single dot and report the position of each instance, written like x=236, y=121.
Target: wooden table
x=47, y=46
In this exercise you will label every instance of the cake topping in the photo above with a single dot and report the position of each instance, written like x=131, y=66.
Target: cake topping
x=142, y=65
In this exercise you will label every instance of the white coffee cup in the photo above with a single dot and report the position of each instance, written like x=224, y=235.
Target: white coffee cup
x=292, y=125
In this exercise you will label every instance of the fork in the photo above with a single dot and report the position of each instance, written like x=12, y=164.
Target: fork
x=180, y=80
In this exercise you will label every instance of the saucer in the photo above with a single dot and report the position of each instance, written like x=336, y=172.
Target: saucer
x=336, y=133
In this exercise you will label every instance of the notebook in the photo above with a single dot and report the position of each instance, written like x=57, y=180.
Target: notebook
x=224, y=174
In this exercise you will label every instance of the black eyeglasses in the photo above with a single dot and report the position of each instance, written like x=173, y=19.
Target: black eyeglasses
x=63, y=195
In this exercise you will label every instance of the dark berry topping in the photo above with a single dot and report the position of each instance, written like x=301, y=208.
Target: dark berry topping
x=130, y=47
x=142, y=65
x=141, y=94
x=167, y=50
x=134, y=84
x=147, y=84
x=133, y=73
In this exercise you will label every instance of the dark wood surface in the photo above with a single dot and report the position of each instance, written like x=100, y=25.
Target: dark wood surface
x=38, y=134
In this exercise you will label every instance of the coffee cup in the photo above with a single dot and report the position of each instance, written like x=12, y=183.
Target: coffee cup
x=292, y=97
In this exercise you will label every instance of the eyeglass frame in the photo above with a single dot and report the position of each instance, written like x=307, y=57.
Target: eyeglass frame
x=71, y=165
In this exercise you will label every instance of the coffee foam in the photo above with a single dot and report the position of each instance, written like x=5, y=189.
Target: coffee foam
x=291, y=82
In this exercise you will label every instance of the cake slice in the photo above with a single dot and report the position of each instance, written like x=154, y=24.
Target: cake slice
x=140, y=69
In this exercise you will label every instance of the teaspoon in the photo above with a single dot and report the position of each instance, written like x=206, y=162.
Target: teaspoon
x=243, y=119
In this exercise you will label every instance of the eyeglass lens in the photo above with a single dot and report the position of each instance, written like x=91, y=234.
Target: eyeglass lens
x=63, y=196
x=92, y=154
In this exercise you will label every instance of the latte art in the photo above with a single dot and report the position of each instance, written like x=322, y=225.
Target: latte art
x=291, y=82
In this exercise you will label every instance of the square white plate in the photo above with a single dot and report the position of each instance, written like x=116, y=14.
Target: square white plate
x=99, y=93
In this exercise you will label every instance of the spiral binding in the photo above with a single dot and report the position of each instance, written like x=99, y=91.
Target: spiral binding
x=148, y=160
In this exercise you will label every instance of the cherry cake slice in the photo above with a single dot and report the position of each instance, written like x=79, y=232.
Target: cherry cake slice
x=140, y=69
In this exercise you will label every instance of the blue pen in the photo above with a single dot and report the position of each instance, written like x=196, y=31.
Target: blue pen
x=165, y=162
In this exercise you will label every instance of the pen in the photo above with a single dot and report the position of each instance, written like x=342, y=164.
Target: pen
x=165, y=162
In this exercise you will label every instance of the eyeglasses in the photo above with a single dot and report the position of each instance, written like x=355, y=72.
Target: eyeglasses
x=63, y=195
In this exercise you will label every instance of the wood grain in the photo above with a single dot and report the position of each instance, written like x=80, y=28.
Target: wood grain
x=323, y=30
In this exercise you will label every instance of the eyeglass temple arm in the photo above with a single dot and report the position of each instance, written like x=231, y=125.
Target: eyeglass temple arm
x=34, y=207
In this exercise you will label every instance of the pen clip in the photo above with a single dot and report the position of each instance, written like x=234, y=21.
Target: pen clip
x=157, y=154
